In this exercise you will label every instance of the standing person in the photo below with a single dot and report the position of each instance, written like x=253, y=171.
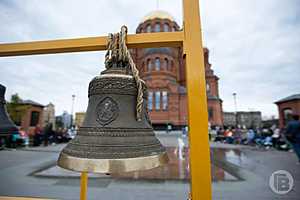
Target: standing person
x=276, y=137
x=237, y=135
x=293, y=134
x=229, y=136
x=37, y=135
x=47, y=133
x=250, y=136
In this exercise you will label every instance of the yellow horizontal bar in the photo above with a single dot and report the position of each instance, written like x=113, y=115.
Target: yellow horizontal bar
x=21, y=198
x=144, y=40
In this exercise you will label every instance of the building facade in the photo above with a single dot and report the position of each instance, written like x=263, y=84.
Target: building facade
x=66, y=119
x=229, y=119
x=287, y=107
x=32, y=117
x=49, y=115
x=79, y=117
x=243, y=119
x=268, y=123
x=163, y=70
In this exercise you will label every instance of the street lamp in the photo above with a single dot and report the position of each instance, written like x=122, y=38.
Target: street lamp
x=72, y=109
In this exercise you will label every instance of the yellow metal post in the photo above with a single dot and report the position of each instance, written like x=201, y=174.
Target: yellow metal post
x=197, y=103
x=83, y=185
x=196, y=86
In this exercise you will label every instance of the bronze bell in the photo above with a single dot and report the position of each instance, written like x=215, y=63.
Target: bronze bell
x=111, y=138
x=7, y=127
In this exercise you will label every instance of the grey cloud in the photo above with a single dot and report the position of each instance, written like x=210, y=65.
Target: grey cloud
x=254, y=46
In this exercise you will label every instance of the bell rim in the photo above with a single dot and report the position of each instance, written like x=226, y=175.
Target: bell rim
x=111, y=165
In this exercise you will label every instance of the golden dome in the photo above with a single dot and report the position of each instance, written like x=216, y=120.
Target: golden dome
x=157, y=14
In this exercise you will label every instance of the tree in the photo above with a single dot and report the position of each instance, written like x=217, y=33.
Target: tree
x=16, y=109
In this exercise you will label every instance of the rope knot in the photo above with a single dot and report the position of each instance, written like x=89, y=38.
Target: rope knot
x=118, y=54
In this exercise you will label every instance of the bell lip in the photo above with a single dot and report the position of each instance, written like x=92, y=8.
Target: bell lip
x=111, y=165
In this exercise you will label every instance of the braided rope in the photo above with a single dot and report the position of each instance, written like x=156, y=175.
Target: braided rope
x=109, y=51
x=117, y=50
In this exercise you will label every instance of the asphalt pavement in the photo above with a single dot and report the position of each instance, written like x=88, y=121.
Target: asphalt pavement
x=253, y=165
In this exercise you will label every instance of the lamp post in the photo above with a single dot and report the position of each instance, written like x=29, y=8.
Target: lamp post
x=72, y=109
x=235, y=109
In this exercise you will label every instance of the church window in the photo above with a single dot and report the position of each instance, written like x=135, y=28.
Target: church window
x=157, y=100
x=165, y=100
x=148, y=28
x=157, y=27
x=207, y=88
x=150, y=100
x=166, y=64
x=149, y=65
x=210, y=113
x=166, y=27
x=157, y=64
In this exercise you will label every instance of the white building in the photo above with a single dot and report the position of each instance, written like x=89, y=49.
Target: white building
x=66, y=119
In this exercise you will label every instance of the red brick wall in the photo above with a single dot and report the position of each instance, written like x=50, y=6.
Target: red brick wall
x=294, y=105
x=26, y=119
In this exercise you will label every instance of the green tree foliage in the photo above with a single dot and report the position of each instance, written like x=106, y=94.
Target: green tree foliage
x=16, y=109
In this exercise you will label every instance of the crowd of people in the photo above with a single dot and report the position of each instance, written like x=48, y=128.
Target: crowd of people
x=40, y=136
x=273, y=137
x=261, y=137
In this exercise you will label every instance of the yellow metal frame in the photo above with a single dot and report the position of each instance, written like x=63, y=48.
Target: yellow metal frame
x=191, y=40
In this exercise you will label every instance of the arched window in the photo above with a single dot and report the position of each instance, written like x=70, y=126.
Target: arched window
x=148, y=29
x=141, y=30
x=157, y=100
x=173, y=28
x=166, y=64
x=34, y=118
x=157, y=27
x=210, y=113
x=150, y=100
x=164, y=100
x=287, y=115
x=207, y=88
x=149, y=65
x=157, y=64
x=166, y=27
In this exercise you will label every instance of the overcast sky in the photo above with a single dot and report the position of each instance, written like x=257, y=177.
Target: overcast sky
x=254, y=47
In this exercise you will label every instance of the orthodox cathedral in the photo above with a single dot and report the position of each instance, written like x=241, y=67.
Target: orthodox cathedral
x=163, y=70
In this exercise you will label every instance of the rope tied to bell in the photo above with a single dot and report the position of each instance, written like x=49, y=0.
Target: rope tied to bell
x=117, y=51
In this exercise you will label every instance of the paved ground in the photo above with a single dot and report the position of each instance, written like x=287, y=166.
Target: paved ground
x=251, y=164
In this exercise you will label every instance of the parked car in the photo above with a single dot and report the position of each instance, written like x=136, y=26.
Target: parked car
x=71, y=133
x=24, y=136
x=17, y=139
